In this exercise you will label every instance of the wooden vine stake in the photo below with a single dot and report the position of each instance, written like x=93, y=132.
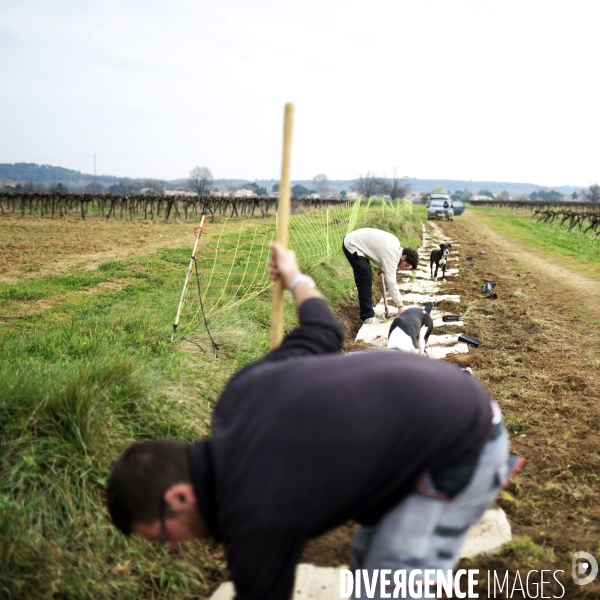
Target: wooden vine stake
x=283, y=217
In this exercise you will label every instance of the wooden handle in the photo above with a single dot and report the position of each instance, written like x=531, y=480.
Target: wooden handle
x=283, y=218
x=387, y=312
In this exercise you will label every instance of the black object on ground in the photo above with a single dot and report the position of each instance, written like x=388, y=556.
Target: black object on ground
x=450, y=318
x=468, y=340
x=468, y=258
x=492, y=297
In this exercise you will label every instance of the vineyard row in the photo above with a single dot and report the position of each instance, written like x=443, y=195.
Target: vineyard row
x=536, y=205
x=584, y=220
x=118, y=206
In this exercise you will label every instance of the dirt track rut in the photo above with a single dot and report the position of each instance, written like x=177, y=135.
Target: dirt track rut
x=540, y=359
x=575, y=286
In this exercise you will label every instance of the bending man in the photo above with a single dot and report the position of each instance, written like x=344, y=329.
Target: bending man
x=307, y=438
x=383, y=248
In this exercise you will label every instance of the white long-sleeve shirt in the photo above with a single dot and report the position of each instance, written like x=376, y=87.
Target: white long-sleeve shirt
x=383, y=249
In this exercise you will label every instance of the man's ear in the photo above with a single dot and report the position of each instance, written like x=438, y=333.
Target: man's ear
x=180, y=496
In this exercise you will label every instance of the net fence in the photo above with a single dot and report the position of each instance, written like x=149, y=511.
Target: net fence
x=232, y=255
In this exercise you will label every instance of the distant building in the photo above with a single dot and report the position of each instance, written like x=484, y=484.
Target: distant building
x=243, y=193
x=351, y=195
x=179, y=193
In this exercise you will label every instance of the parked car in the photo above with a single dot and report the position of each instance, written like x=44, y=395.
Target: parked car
x=459, y=207
x=440, y=207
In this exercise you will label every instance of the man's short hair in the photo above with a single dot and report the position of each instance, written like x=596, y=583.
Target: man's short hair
x=412, y=257
x=139, y=479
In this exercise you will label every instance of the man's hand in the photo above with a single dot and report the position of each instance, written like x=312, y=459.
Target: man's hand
x=380, y=271
x=282, y=265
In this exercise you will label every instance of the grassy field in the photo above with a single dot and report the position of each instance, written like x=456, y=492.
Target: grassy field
x=86, y=367
x=577, y=250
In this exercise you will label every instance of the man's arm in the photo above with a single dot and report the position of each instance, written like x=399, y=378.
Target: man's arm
x=262, y=560
x=318, y=332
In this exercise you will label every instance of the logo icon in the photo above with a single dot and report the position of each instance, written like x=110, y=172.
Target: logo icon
x=585, y=568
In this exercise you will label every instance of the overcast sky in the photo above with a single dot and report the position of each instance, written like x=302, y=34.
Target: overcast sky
x=483, y=90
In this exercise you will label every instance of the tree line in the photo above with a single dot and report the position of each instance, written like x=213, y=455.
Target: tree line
x=200, y=181
x=45, y=178
x=592, y=194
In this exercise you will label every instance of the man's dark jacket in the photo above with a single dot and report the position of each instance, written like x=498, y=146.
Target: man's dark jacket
x=307, y=438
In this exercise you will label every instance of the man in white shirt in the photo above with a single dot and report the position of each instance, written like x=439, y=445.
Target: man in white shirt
x=384, y=249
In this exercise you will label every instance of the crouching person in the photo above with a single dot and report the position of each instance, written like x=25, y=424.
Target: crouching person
x=307, y=438
x=363, y=246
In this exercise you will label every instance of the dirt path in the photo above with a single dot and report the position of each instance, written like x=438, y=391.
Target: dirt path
x=540, y=359
x=574, y=286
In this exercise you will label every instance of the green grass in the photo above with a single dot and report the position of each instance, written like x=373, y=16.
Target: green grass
x=33, y=290
x=85, y=375
x=577, y=250
x=407, y=229
x=77, y=384
x=528, y=553
x=231, y=262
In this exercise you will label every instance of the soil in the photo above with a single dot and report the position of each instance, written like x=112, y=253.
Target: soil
x=331, y=549
x=540, y=359
x=572, y=284
x=33, y=246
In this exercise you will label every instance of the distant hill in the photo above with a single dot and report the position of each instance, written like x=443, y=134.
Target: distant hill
x=24, y=172
x=427, y=185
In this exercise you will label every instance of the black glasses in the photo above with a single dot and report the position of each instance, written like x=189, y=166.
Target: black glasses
x=162, y=538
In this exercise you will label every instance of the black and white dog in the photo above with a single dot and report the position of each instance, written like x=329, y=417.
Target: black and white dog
x=411, y=329
x=440, y=259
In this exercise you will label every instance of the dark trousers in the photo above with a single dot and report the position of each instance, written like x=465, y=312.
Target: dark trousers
x=363, y=278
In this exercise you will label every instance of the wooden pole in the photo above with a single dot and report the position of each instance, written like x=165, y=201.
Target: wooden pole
x=385, y=304
x=283, y=217
x=188, y=276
